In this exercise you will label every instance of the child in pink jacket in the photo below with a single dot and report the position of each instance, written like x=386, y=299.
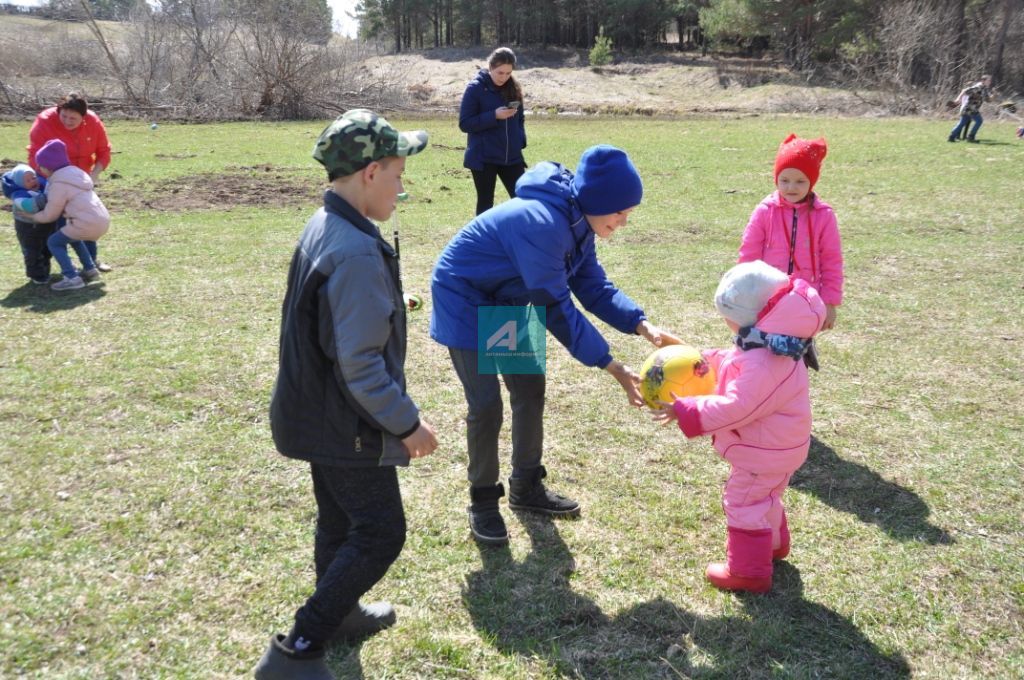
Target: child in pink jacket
x=759, y=417
x=69, y=192
x=795, y=231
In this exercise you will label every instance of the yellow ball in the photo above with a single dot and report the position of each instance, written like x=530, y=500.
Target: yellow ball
x=675, y=369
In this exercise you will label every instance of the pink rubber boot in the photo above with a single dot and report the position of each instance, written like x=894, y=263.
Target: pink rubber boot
x=749, y=562
x=782, y=552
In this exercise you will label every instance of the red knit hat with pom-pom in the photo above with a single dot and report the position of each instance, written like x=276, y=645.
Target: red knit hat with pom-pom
x=805, y=155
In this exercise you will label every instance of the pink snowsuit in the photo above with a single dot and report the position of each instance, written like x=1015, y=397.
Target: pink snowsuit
x=760, y=417
x=818, y=255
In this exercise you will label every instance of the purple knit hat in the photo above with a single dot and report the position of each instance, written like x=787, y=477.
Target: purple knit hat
x=53, y=156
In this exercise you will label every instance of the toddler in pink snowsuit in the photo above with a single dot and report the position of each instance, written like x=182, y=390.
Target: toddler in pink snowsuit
x=794, y=230
x=759, y=417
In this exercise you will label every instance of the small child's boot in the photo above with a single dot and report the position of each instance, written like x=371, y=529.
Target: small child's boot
x=782, y=552
x=282, y=663
x=748, y=565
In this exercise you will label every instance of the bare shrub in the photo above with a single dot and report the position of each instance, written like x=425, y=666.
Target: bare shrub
x=915, y=62
x=197, y=61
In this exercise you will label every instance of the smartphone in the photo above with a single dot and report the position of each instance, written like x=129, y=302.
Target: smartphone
x=513, y=105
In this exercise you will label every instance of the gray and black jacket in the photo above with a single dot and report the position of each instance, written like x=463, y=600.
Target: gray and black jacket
x=339, y=398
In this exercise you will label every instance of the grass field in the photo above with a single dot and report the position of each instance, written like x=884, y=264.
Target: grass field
x=150, y=530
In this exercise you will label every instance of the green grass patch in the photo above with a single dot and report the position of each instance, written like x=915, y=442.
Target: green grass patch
x=150, y=529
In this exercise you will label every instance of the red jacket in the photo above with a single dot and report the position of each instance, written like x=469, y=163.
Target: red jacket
x=87, y=144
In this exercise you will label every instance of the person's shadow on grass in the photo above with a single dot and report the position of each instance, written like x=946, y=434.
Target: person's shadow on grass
x=345, y=662
x=42, y=300
x=529, y=609
x=861, y=491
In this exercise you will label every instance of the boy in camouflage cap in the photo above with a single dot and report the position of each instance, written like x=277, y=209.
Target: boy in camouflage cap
x=339, y=401
x=360, y=137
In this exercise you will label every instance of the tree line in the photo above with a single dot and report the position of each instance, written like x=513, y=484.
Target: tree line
x=923, y=43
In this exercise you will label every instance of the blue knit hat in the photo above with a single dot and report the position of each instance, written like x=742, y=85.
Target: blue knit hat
x=53, y=156
x=19, y=172
x=606, y=181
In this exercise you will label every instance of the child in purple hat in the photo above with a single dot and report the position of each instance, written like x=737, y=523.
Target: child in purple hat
x=69, y=192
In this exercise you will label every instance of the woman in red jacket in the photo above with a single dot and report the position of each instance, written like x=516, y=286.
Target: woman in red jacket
x=83, y=134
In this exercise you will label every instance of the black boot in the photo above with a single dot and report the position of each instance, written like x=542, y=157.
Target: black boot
x=485, y=520
x=282, y=663
x=972, y=140
x=528, y=493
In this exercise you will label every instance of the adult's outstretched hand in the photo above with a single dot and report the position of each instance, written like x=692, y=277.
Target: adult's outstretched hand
x=629, y=380
x=656, y=336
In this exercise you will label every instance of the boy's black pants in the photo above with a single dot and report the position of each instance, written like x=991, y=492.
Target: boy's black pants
x=360, y=531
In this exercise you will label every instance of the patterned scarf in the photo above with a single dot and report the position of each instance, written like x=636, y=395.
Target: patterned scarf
x=751, y=337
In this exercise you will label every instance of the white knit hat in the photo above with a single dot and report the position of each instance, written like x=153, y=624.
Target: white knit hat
x=746, y=289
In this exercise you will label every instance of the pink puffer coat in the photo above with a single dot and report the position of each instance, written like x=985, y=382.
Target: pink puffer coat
x=760, y=414
x=818, y=255
x=69, y=192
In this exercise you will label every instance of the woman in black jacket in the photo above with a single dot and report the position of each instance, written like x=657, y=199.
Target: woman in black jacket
x=491, y=115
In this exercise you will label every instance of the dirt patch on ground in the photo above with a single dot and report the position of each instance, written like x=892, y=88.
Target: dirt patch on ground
x=238, y=186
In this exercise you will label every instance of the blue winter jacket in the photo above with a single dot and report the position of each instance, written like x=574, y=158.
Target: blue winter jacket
x=490, y=140
x=534, y=249
x=13, y=191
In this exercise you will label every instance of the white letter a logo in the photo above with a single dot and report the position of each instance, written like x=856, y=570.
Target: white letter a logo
x=504, y=337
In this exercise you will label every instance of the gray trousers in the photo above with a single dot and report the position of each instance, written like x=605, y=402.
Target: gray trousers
x=484, y=417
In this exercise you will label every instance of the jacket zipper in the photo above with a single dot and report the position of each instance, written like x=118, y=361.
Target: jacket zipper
x=506, y=139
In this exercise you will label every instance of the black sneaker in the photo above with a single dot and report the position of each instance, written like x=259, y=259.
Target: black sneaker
x=485, y=520
x=529, y=493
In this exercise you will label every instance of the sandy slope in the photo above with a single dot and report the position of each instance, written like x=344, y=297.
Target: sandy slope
x=560, y=81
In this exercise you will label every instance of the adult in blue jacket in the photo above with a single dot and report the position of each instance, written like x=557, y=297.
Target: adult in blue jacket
x=536, y=249
x=491, y=115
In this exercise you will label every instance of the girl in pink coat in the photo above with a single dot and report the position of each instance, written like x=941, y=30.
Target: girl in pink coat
x=795, y=231
x=69, y=192
x=759, y=417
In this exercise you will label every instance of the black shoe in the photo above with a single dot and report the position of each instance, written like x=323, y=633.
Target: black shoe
x=281, y=663
x=972, y=140
x=951, y=139
x=485, y=520
x=528, y=493
x=364, y=621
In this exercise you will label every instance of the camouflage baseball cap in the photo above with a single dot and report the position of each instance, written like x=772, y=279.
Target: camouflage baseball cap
x=358, y=137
